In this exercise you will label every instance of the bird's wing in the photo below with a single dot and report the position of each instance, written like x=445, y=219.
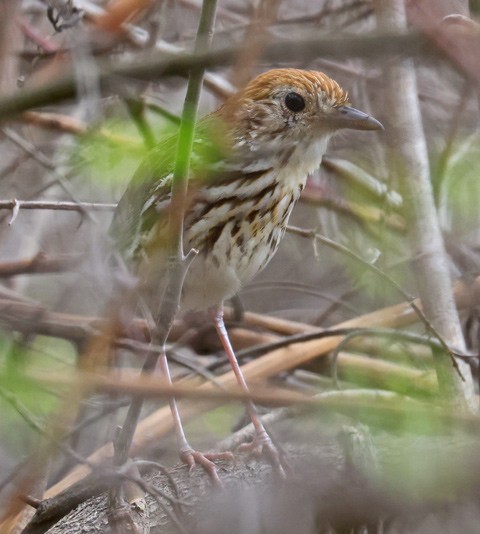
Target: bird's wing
x=146, y=200
x=139, y=205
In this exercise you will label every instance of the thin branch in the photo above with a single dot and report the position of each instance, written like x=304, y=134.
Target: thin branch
x=42, y=159
x=157, y=387
x=154, y=387
x=409, y=298
x=57, y=205
x=263, y=348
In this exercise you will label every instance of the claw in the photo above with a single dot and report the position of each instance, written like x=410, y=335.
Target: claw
x=192, y=457
x=262, y=445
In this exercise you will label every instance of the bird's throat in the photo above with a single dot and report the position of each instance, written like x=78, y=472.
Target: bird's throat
x=304, y=159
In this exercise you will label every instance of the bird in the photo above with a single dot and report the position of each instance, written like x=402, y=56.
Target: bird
x=250, y=162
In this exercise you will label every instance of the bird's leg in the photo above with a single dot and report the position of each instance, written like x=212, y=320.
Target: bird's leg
x=188, y=455
x=262, y=443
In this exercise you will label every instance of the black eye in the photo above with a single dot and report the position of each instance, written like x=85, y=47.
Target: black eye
x=294, y=102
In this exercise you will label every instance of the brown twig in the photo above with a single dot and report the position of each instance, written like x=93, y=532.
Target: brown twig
x=39, y=264
x=376, y=372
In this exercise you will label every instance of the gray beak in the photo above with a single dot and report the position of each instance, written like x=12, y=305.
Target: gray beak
x=348, y=117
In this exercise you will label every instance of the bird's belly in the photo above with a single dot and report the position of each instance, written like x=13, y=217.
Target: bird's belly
x=207, y=285
x=234, y=260
x=236, y=238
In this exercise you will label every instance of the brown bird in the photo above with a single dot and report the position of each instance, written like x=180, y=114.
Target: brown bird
x=250, y=162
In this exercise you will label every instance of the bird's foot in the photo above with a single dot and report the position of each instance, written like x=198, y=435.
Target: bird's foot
x=262, y=445
x=192, y=457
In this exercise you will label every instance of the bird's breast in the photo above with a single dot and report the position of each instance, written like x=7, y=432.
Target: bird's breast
x=237, y=234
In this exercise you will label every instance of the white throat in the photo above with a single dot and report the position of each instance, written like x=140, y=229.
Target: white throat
x=305, y=159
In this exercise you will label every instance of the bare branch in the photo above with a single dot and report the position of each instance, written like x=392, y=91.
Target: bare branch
x=41, y=263
x=56, y=205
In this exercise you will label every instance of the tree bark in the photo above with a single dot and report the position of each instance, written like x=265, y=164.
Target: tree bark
x=10, y=43
x=410, y=164
x=340, y=479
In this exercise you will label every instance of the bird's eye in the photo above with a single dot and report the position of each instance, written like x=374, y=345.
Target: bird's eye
x=295, y=102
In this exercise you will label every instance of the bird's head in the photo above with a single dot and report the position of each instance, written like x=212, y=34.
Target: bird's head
x=284, y=107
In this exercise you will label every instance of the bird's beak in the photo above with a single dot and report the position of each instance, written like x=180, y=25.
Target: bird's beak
x=348, y=117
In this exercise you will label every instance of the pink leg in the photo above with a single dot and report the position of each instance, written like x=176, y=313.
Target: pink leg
x=188, y=455
x=262, y=443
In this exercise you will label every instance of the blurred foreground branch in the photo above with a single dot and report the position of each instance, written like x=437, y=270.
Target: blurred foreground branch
x=307, y=48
